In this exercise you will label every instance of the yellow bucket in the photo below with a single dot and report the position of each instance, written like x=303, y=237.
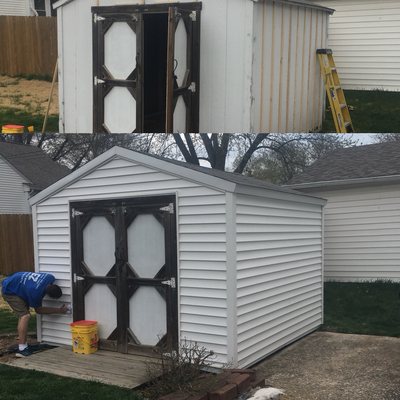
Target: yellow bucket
x=16, y=129
x=85, y=339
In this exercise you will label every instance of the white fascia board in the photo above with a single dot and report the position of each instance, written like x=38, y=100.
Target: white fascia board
x=161, y=165
x=307, y=4
x=61, y=3
x=378, y=180
x=280, y=195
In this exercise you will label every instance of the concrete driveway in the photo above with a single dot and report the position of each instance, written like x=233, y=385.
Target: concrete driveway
x=337, y=366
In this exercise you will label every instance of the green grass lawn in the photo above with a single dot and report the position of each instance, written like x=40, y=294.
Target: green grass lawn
x=20, y=117
x=21, y=384
x=363, y=308
x=374, y=112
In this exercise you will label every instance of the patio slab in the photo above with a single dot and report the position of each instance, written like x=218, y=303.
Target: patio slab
x=124, y=370
x=324, y=366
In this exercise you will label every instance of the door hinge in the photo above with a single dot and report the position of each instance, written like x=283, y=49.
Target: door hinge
x=193, y=16
x=78, y=278
x=192, y=87
x=98, y=81
x=169, y=208
x=171, y=283
x=75, y=213
x=97, y=18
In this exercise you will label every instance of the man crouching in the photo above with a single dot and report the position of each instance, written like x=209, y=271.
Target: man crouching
x=23, y=290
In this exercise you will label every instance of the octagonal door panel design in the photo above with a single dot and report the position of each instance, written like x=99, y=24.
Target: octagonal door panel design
x=117, y=61
x=122, y=59
x=124, y=271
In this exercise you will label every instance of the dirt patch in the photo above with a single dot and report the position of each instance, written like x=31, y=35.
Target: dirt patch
x=28, y=95
x=326, y=366
x=8, y=342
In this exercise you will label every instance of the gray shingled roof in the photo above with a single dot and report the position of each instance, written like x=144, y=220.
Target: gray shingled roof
x=33, y=164
x=228, y=176
x=370, y=161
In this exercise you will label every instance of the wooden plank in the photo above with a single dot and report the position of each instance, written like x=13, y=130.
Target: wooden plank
x=107, y=367
x=16, y=243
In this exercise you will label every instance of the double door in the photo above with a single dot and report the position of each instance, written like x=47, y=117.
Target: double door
x=146, y=67
x=124, y=271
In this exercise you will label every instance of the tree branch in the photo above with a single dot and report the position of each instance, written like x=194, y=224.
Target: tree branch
x=253, y=147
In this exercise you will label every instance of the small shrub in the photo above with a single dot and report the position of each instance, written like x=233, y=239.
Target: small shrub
x=180, y=370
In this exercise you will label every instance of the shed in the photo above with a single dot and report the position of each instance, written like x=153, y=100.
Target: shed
x=210, y=66
x=365, y=38
x=362, y=217
x=158, y=251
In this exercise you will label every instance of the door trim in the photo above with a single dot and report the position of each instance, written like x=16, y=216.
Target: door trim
x=192, y=100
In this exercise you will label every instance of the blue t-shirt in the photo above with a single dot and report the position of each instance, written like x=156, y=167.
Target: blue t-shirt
x=30, y=286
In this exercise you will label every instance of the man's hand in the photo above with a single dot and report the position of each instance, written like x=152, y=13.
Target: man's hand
x=63, y=309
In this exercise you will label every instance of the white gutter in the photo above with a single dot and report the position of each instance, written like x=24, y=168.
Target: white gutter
x=347, y=182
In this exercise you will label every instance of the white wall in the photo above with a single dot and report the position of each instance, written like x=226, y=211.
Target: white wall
x=279, y=273
x=201, y=229
x=13, y=191
x=287, y=87
x=15, y=7
x=362, y=233
x=365, y=38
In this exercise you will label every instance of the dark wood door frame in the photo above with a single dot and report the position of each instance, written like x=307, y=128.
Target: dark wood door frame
x=133, y=15
x=122, y=279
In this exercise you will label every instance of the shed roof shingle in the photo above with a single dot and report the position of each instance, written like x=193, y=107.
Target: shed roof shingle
x=33, y=163
x=369, y=161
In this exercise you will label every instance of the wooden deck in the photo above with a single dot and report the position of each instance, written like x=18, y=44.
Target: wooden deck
x=125, y=370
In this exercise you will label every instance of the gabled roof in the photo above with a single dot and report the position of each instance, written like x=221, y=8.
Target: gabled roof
x=33, y=164
x=359, y=164
x=303, y=3
x=219, y=180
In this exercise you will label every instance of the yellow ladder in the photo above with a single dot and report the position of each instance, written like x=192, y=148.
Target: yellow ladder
x=337, y=101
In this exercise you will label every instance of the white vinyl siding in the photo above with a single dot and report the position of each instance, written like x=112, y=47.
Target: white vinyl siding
x=285, y=67
x=15, y=7
x=279, y=273
x=362, y=233
x=365, y=38
x=201, y=229
x=13, y=191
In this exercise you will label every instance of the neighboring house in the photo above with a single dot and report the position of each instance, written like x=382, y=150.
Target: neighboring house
x=24, y=171
x=362, y=217
x=157, y=251
x=239, y=66
x=26, y=7
x=365, y=38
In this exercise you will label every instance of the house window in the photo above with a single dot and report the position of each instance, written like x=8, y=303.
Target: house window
x=45, y=8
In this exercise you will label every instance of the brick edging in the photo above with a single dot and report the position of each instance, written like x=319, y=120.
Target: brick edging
x=232, y=383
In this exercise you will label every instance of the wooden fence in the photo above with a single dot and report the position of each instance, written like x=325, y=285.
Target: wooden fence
x=28, y=45
x=16, y=243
